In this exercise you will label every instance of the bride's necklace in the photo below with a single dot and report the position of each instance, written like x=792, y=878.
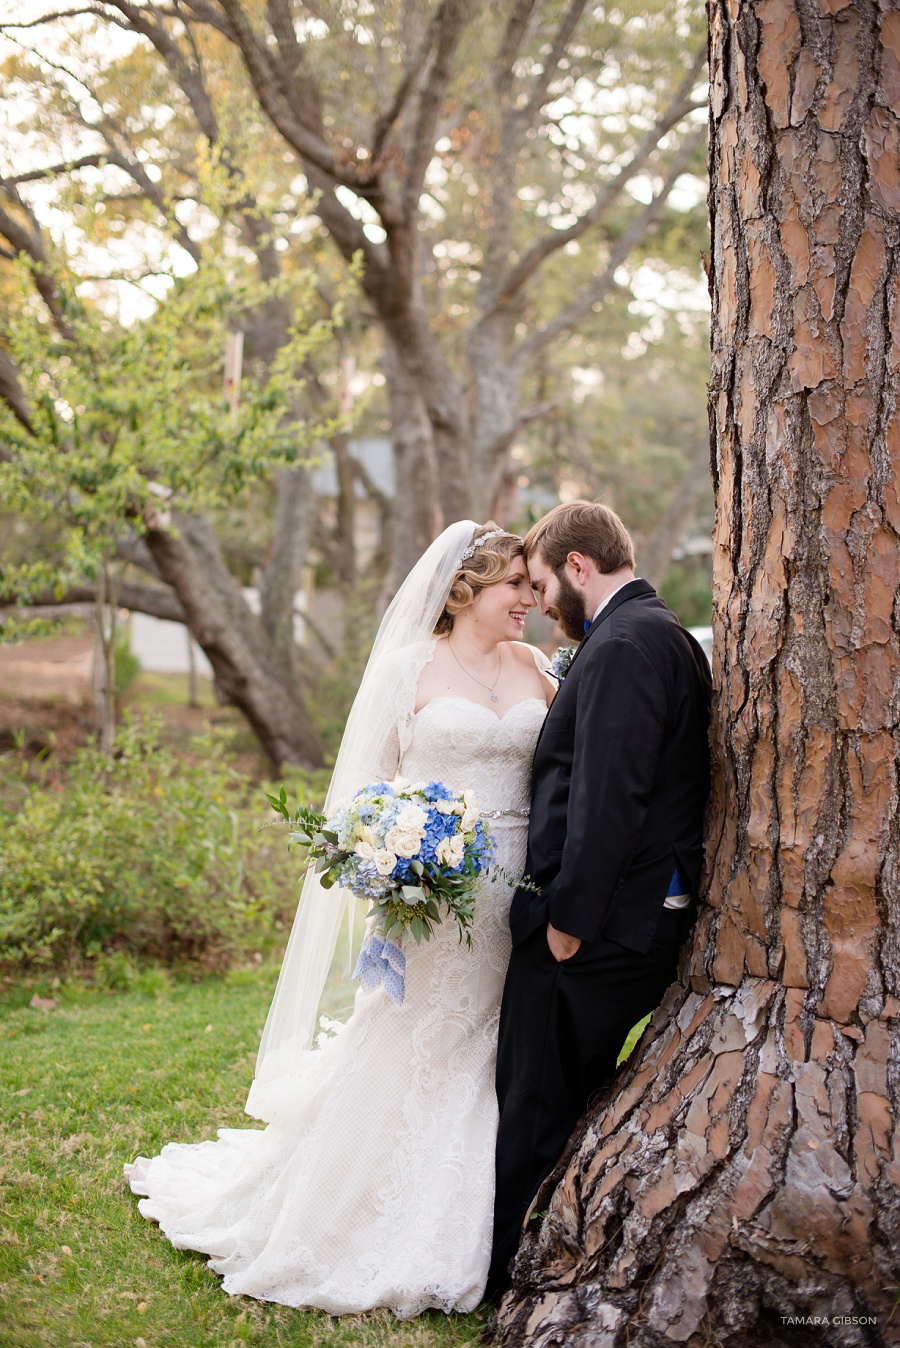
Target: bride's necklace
x=489, y=686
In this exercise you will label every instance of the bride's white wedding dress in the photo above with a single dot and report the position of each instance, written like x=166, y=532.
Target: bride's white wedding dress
x=374, y=1184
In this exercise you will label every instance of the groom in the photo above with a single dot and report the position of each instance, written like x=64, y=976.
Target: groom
x=620, y=780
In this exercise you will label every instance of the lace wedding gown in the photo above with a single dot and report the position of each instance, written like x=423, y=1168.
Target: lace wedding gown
x=374, y=1184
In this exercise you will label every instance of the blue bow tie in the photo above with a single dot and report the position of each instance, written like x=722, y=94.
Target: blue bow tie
x=587, y=623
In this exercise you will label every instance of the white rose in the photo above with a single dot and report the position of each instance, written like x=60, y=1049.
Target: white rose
x=469, y=819
x=449, y=851
x=368, y=835
x=446, y=807
x=412, y=818
x=384, y=861
x=470, y=800
x=404, y=841
x=364, y=849
x=398, y=784
x=416, y=787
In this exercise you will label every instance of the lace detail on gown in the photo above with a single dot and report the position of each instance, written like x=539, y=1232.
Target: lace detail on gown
x=374, y=1183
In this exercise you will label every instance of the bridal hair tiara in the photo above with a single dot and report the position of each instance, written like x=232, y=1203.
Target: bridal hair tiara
x=470, y=551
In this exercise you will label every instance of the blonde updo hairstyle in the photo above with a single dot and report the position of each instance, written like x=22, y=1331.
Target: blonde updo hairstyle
x=487, y=565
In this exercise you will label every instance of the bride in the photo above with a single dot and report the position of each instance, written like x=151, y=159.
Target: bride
x=373, y=1183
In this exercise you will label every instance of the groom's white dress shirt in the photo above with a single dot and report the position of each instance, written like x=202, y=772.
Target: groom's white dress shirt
x=601, y=606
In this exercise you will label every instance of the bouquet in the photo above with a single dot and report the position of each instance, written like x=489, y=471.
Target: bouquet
x=414, y=852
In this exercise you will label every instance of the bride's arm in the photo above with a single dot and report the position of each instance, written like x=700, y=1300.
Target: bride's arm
x=387, y=763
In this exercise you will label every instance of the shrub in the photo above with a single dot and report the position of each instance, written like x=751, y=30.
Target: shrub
x=126, y=665
x=151, y=854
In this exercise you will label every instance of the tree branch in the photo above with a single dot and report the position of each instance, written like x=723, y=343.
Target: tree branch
x=558, y=238
x=133, y=551
x=388, y=119
x=12, y=394
x=264, y=78
x=604, y=283
x=535, y=411
x=51, y=18
x=204, y=14
x=21, y=240
x=53, y=170
x=449, y=22
x=150, y=599
x=511, y=44
x=563, y=37
x=188, y=79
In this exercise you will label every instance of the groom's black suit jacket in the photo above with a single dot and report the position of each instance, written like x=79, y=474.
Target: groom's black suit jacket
x=620, y=778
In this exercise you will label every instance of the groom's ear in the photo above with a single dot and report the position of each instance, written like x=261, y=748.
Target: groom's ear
x=580, y=567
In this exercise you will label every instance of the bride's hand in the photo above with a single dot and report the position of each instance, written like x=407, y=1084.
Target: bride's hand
x=562, y=946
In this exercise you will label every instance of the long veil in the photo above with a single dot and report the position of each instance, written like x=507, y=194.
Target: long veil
x=373, y=739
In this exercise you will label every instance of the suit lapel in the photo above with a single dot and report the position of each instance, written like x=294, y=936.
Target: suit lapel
x=632, y=590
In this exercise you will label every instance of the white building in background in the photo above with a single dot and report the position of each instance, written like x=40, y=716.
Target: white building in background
x=163, y=647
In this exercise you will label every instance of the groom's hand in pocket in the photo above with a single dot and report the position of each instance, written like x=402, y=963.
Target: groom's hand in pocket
x=562, y=946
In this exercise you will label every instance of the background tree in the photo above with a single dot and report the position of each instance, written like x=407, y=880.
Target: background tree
x=747, y=1166
x=497, y=147
x=557, y=185
x=126, y=429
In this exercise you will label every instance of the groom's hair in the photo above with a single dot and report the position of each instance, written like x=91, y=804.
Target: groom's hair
x=581, y=526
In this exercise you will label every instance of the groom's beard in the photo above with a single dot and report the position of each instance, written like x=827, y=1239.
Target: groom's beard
x=568, y=607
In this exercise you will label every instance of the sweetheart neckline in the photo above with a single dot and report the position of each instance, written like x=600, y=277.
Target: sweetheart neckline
x=454, y=697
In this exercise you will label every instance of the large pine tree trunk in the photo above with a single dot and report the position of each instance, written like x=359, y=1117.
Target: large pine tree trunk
x=745, y=1173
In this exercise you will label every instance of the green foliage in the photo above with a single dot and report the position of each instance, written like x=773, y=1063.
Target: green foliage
x=130, y=421
x=687, y=589
x=150, y=855
x=99, y=1079
x=127, y=665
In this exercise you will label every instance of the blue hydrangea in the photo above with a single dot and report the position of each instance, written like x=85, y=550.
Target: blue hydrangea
x=344, y=825
x=365, y=881
x=439, y=826
x=387, y=815
x=482, y=849
x=437, y=791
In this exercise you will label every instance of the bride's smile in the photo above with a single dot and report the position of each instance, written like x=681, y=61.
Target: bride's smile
x=481, y=655
x=498, y=612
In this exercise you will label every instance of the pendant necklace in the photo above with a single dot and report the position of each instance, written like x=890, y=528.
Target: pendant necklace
x=490, y=687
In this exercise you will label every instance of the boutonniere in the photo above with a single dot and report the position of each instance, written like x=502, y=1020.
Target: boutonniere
x=559, y=665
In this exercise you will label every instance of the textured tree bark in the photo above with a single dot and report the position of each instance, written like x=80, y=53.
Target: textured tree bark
x=744, y=1175
x=294, y=508
x=415, y=517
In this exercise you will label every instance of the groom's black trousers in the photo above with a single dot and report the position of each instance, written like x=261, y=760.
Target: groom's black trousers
x=562, y=1027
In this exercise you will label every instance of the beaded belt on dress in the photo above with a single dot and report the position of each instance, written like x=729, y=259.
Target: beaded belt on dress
x=504, y=814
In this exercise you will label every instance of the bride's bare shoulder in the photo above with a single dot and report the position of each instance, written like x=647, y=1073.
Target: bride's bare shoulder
x=533, y=658
x=529, y=655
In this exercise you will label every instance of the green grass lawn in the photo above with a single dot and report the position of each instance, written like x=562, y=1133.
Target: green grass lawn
x=97, y=1080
